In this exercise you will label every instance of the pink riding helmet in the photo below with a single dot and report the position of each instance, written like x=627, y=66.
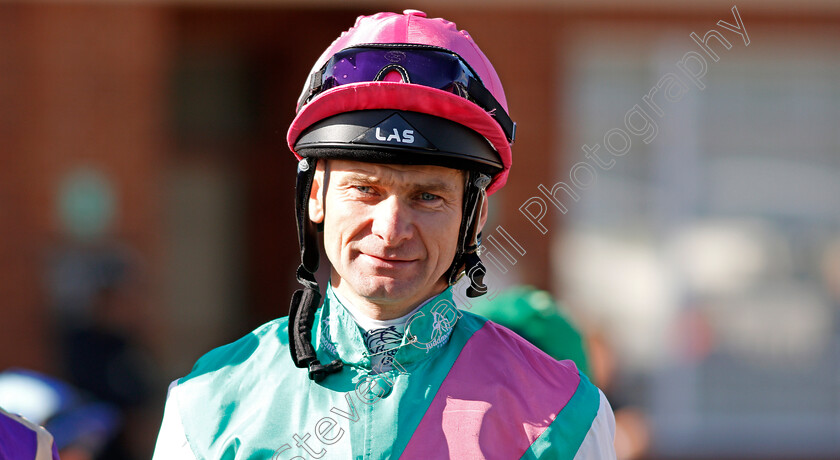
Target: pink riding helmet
x=413, y=28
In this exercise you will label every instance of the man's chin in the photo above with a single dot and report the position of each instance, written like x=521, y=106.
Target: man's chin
x=384, y=290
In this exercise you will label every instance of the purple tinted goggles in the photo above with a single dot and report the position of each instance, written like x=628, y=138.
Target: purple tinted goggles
x=416, y=64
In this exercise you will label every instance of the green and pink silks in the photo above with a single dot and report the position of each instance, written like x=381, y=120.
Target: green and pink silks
x=461, y=387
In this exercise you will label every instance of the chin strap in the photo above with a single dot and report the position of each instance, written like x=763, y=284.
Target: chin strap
x=307, y=300
x=469, y=238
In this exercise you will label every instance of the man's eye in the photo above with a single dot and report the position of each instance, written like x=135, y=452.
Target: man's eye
x=364, y=189
x=425, y=196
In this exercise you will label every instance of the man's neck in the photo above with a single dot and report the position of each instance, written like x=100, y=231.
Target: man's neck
x=367, y=323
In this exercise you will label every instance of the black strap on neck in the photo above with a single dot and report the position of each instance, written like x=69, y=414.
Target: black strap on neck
x=307, y=300
x=469, y=238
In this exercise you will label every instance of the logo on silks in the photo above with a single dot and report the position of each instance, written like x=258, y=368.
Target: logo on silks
x=394, y=130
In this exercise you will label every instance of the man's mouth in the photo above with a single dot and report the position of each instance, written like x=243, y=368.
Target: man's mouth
x=385, y=260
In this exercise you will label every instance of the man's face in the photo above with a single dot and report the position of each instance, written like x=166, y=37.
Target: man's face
x=390, y=231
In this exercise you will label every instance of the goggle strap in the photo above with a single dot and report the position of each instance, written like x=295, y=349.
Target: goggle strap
x=312, y=88
x=315, y=81
x=484, y=98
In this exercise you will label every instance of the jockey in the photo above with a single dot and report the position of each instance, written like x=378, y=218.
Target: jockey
x=401, y=134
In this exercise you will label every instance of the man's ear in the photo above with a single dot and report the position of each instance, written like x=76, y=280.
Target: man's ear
x=316, y=204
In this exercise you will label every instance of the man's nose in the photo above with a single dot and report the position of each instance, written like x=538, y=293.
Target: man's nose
x=392, y=221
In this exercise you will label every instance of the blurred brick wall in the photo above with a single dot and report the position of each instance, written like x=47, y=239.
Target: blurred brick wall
x=88, y=85
x=80, y=85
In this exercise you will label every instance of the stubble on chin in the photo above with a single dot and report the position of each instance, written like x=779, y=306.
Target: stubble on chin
x=386, y=291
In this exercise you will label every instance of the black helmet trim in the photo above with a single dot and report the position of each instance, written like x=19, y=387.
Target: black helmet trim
x=392, y=136
x=377, y=155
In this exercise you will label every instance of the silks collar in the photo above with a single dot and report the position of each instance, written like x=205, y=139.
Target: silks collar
x=427, y=330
